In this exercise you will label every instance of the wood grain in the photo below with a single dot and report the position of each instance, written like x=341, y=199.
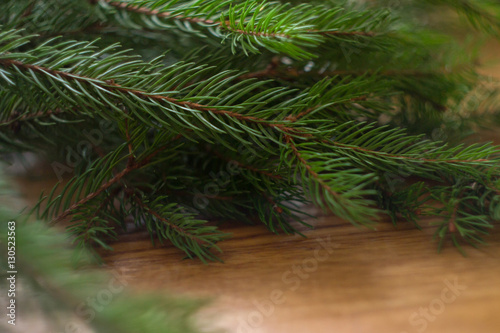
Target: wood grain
x=372, y=281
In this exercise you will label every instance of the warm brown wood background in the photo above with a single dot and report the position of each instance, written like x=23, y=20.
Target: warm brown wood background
x=372, y=281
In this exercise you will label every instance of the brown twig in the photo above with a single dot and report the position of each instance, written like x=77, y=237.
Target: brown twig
x=15, y=119
x=273, y=203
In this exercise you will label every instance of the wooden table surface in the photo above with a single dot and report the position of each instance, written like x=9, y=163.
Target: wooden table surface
x=339, y=279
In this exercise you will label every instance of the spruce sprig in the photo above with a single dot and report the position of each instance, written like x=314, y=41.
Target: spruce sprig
x=253, y=25
x=244, y=136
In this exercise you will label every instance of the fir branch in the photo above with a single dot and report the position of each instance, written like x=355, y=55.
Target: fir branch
x=297, y=154
x=190, y=235
x=279, y=27
x=131, y=166
x=342, y=176
x=410, y=158
x=393, y=146
x=110, y=86
x=129, y=6
x=178, y=229
x=293, y=118
x=463, y=212
x=317, y=137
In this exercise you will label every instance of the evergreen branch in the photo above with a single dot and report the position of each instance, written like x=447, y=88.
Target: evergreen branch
x=93, y=195
x=171, y=225
x=178, y=229
x=275, y=214
x=198, y=240
x=297, y=154
x=99, y=84
x=128, y=6
x=110, y=86
x=293, y=118
x=273, y=203
x=394, y=146
x=115, y=179
x=463, y=212
x=410, y=158
x=225, y=24
x=192, y=236
x=341, y=186
x=400, y=201
x=317, y=137
x=293, y=75
x=253, y=24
